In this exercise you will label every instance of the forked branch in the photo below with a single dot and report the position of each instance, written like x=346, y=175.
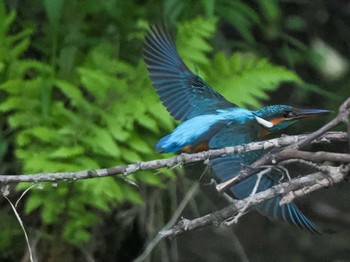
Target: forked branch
x=300, y=186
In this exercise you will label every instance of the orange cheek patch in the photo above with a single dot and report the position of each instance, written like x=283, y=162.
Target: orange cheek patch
x=276, y=121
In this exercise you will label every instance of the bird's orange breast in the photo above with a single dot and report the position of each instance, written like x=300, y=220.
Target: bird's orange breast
x=264, y=132
x=202, y=146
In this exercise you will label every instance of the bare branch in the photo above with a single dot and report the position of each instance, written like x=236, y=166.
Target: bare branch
x=316, y=157
x=304, y=185
x=168, y=162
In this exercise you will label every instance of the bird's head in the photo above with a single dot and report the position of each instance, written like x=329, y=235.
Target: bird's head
x=277, y=117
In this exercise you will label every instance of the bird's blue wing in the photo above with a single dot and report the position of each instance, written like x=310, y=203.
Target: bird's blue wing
x=228, y=166
x=184, y=94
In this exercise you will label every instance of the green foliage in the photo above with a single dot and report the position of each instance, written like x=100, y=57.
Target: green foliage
x=249, y=78
x=243, y=78
x=75, y=95
x=93, y=122
x=11, y=235
x=192, y=41
x=97, y=120
x=241, y=16
x=11, y=47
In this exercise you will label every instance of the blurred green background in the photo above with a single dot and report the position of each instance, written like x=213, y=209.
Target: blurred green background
x=75, y=94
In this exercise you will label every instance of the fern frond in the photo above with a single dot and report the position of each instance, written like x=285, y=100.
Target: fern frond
x=246, y=80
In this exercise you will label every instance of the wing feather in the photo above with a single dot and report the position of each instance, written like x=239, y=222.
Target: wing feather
x=173, y=80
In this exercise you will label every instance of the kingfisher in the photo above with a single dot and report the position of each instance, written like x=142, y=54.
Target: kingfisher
x=209, y=121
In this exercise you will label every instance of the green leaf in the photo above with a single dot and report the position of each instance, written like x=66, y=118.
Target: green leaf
x=168, y=172
x=148, y=123
x=241, y=16
x=192, y=41
x=140, y=145
x=133, y=195
x=86, y=162
x=33, y=66
x=50, y=213
x=102, y=142
x=54, y=10
x=11, y=103
x=246, y=80
x=12, y=86
x=76, y=229
x=21, y=120
x=150, y=178
x=163, y=117
x=270, y=9
x=72, y=92
x=129, y=156
x=19, y=49
x=9, y=19
x=96, y=80
x=120, y=134
x=67, y=152
x=42, y=133
x=33, y=203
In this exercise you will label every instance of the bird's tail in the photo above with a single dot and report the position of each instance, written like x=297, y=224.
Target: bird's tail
x=288, y=212
x=272, y=208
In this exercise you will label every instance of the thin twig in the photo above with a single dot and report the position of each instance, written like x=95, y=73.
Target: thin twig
x=235, y=219
x=22, y=226
x=23, y=194
x=189, y=195
x=316, y=157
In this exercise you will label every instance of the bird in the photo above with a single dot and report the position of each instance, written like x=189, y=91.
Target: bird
x=209, y=121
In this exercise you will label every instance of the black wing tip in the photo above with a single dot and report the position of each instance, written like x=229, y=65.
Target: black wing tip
x=310, y=226
x=159, y=27
x=288, y=213
x=301, y=221
x=159, y=47
x=157, y=31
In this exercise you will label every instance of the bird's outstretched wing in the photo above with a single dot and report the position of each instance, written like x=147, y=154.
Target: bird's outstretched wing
x=184, y=94
x=228, y=166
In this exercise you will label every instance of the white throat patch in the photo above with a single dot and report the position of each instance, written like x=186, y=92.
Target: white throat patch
x=263, y=122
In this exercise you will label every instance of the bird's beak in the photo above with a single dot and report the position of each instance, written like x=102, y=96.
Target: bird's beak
x=307, y=113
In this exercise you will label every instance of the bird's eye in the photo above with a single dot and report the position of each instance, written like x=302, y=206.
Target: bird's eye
x=288, y=114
